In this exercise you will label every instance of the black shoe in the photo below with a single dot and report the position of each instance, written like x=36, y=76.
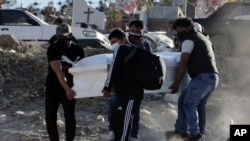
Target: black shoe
x=198, y=137
x=176, y=133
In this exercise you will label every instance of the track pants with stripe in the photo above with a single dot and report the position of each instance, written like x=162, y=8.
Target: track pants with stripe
x=122, y=118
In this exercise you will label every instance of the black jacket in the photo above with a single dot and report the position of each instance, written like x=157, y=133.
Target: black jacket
x=121, y=75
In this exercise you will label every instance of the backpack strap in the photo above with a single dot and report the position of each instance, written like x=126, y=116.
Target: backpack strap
x=132, y=53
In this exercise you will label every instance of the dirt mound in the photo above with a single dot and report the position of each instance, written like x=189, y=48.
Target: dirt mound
x=22, y=73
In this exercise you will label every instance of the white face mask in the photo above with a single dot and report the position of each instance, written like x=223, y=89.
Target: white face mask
x=115, y=46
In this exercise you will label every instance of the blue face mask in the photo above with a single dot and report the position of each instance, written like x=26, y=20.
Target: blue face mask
x=115, y=46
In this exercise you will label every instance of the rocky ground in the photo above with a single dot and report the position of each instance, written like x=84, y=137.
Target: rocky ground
x=22, y=76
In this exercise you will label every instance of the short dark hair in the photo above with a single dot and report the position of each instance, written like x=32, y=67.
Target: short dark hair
x=117, y=33
x=59, y=20
x=136, y=23
x=183, y=22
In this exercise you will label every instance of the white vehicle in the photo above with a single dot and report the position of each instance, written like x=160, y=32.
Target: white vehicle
x=159, y=41
x=27, y=27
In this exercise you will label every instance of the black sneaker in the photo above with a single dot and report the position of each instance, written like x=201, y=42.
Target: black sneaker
x=198, y=137
x=176, y=133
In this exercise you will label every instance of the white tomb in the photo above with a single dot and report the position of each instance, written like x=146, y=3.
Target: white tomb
x=83, y=12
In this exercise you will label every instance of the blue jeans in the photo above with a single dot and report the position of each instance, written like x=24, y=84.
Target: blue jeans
x=191, y=103
x=111, y=107
x=136, y=119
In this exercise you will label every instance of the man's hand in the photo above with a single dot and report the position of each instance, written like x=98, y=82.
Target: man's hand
x=105, y=93
x=70, y=94
x=174, y=88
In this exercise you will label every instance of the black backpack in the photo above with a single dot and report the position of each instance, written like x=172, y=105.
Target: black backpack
x=150, y=69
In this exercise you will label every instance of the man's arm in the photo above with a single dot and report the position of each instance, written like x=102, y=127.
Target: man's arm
x=57, y=68
x=187, y=48
x=114, y=70
x=180, y=72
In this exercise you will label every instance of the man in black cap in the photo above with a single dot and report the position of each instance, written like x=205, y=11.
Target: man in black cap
x=62, y=55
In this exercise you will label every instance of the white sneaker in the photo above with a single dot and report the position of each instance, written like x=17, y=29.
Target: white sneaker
x=133, y=139
x=111, y=136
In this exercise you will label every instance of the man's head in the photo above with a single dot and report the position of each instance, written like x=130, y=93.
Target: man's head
x=63, y=31
x=182, y=25
x=135, y=31
x=117, y=37
x=59, y=20
x=64, y=34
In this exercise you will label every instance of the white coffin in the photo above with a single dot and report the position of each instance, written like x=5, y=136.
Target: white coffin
x=90, y=74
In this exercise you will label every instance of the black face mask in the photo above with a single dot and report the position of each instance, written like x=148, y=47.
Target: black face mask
x=64, y=42
x=134, y=37
x=181, y=35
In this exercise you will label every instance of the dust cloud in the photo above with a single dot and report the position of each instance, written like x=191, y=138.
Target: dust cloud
x=229, y=104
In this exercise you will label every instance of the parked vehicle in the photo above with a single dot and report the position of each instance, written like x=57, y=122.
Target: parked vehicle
x=159, y=41
x=228, y=28
x=27, y=27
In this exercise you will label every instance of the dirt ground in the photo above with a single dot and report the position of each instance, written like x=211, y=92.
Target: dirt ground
x=22, y=76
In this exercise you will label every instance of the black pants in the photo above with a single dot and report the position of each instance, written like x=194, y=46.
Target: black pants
x=53, y=98
x=136, y=120
x=122, y=118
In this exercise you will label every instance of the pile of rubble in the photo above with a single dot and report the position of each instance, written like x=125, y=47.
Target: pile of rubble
x=23, y=70
x=22, y=74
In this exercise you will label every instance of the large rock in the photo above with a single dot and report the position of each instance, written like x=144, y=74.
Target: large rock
x=9, y=40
